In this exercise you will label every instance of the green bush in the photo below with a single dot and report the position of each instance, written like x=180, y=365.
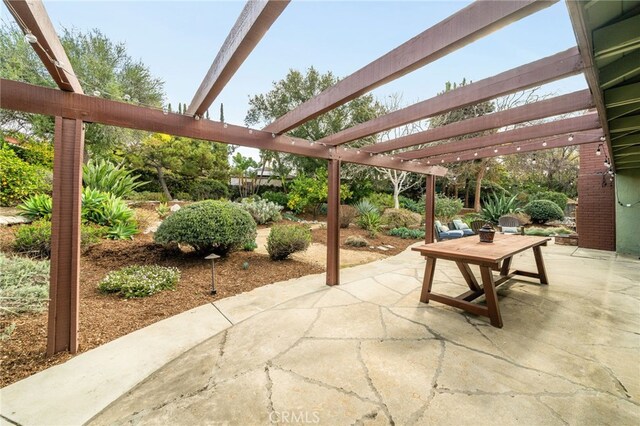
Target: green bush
x=35, y=239
x=347, y=215
x=545, y=232
x=37, y=206
x=284, y=240
x=399, y=218
x=407, y=234
x=496, y=206
x=39, y=153
x=414, y=206
x=209, y=226
x=381, y=200
x=106, y=209
x=18, y=178
x=280, y=198
x=203, y=189
x=471, y=217
x=542, y=211
x=356, y=241
x=262, y=211
x=447, y=208
x=557, y=197
x=250, y=246
x=107, y=177
x=24, y=285
x=140, y=281
x=371, y=222
x=309, y=193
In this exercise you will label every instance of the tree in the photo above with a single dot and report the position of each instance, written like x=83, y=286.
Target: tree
x=245, y=170
x=308, y=193
x=292, y=91
x=476, y=168
x=101, y=66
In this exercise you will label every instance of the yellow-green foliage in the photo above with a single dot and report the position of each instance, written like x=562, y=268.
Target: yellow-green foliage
x=18, y=179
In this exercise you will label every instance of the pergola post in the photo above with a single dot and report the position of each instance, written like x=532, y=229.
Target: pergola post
x=65, y=236
x=333, y=224
x=430, y=208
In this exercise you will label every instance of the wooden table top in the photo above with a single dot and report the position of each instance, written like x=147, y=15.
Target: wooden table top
x=471, y=250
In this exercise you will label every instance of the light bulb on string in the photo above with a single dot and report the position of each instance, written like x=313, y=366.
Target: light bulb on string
x=30, y=38
x=599, y=151
x=518, y=149
x=544, y=143
x=570, y=138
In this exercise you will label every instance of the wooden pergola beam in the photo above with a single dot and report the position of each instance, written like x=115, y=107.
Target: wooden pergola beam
x=583, y=38
x=564, y=104
x=543, y=71
x=42, y=100
x=254, y=21
x=469, y=24
x=333, y=223
x=542, y=144
x=567, y=125
x=32, y=17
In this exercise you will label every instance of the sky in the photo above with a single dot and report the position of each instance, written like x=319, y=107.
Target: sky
x=178, y=41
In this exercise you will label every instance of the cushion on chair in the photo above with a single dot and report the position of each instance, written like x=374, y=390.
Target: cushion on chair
x=459, y=224
x=467, y=232
x=510, y=230
x=452, y=234
x=444, y=228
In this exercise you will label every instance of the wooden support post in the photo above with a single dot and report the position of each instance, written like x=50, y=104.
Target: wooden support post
x=65, y=236
x=430, y=208
x=333, y=224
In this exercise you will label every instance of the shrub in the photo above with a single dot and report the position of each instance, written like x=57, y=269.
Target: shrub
x=365, y=206
x=140, y=281
x=407, y=234
x=106, y=209
x=148, y=196
x=207, y=189
x=18, y=178
x=381, y=200
x=496, y=206
x=39, y=153
x=37, y=206
x=284, y=240
x=250, y=246
x=308, y=193
x=209, y=226
x=557, y=197
x=398, y=218
x=356, y=241
x=545, y=232
x=371, y=222
x=262, y=211
x=280, y=198
x=471, y=217
x=347, y=214
x=447, y=208
x=163, y=210
x=24, y=285
x=107, y=177
x=35, y=239
x=542, y=211
x=414, y=206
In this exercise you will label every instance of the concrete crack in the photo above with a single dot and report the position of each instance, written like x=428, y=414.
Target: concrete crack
x=269, y=389
x=367, y=376
x=434, y=387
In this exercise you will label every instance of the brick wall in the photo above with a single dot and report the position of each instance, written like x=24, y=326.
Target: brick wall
x=596, y=201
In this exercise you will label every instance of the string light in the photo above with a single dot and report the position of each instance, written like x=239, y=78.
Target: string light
x=607, y=163
x=495, y=150
x=250, y=131
x=127, y=97
x=165, y=110
x=30, y=38
x=602, y=138
x=570, y=138
x=475, y=154
x=225, y=125
x=273, y=135
x=544, y=143
x=458, y=159
x=599, y=151
x=518, y=149
x=534, y=161
x=196, y=117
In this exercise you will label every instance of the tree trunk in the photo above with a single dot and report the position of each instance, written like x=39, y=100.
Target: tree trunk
x=396, y=197
x=163, y=184
x=476, y=196
x=466, y=193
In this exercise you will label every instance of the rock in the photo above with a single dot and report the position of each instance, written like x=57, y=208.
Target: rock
x=383, y=248
x=175, y=207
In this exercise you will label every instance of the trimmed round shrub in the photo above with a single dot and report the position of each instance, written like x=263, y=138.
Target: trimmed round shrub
x=356, y=241
x=347, y=215
x=542, y=211
x=140, y=280
x=35, y=239
x=400, y=218
x=284, y=240
x=447, y=208
x=218, y=227
x=557, y=197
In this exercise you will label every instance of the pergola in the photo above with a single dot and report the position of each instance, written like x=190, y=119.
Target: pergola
x=72, y=108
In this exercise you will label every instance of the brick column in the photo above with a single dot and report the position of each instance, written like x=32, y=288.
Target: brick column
x=596, y=201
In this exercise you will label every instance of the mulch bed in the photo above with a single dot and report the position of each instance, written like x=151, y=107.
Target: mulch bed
x=105, y=317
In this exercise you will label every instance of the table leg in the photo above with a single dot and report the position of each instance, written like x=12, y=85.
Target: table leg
x=492, y=296
x=468, y=276
x=537, y=252
x=506, y=264
x=428, y=279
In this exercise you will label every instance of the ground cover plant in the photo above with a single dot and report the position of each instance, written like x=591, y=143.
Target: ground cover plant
x=34, y=240
x=262, y=211
x=140, y=280
x=405, y=233
x=24, y=285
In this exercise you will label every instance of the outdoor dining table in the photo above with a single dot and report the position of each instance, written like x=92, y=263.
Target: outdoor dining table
x=495, y=256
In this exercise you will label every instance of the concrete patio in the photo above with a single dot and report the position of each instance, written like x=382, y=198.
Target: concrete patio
x=367, y=352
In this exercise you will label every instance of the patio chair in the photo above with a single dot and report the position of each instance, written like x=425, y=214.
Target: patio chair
x=477, y=224
x=459, y=225
x=510, y=225
x=444, y=233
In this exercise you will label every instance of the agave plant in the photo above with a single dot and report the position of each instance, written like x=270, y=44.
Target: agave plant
x=496, y=206
x=107, y=177
x=365, y=206
x=37, y=206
